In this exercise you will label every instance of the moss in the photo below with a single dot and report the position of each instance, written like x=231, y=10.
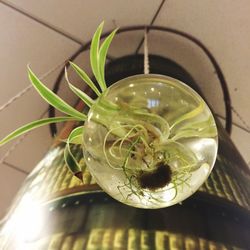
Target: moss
x=158, y=178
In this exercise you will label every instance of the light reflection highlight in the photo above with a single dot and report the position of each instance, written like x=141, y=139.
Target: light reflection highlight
x=26, y=222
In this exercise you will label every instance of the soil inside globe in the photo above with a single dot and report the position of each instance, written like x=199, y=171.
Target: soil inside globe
x=157, y=178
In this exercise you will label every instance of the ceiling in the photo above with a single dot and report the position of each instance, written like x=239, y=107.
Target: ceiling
x=45, y=35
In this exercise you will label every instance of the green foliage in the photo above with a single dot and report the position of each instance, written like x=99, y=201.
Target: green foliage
x=94, y=56
x=36, y=124
x=84, y=97
x=98, y=55
x=137, y=141
x=205, y=128
x=75, y=137
x=53, y=99
x=85, y=78
x=97, y=62
x=190, y=114
x=97, y=59
x=103, y=54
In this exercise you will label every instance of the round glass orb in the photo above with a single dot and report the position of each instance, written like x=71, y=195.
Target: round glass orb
x=150, y=141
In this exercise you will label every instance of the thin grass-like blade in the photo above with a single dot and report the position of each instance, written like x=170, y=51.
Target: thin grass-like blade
x=84, y=97
x=53, y=99
x=103, y=54
x=189, y=115
x=69, y=158
x=206, y=128
x=94, y=56
x=205, y=132
x=30, y=126
x=85, y=78
x=184, y=156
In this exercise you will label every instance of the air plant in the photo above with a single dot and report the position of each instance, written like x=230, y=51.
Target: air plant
x=142, y=145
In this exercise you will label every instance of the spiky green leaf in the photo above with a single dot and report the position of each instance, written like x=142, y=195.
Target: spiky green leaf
x=94, y=56
x=84, y=97
x=103, y=54
x=85, y=78
x=52, y=98
x=30, y=126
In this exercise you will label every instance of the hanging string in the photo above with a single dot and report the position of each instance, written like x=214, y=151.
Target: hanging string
x=18, y=141
x=16, y=97
x=13, y=147
x=146, y=59
x=29, y=87
x=146, y=71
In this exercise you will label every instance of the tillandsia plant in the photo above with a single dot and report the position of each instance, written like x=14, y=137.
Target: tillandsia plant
x=149, y=140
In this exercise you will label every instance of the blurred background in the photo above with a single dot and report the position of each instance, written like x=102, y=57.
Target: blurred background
x=46, y=34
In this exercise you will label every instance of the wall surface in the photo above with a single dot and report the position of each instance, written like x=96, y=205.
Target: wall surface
x=44, y=35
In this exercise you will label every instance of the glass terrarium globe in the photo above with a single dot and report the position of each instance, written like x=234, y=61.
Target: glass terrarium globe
x=150, y=141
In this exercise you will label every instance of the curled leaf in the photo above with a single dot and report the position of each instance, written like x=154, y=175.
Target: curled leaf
x=69, y=157
x=195, y=112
